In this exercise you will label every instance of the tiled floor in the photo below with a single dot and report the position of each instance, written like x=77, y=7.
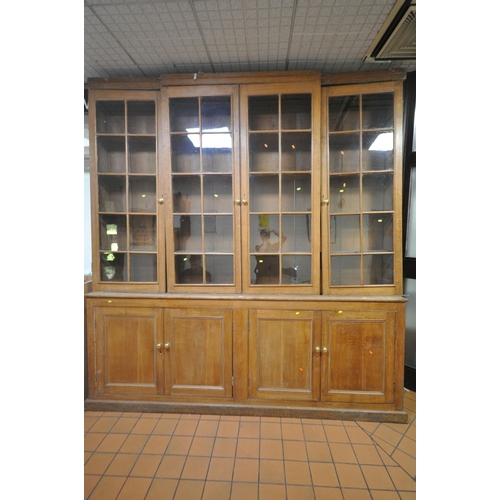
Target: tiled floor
x=151, y=456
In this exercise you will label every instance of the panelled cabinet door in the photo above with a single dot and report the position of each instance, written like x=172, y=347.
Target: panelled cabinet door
x=358, y=356
x=128, y=351
x=198, y=352
x=284, y=362
x=127, y=251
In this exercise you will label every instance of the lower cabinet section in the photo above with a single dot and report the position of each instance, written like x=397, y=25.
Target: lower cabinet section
x=323, y=358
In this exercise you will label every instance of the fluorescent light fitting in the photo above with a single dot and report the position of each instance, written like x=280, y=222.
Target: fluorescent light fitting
x=218, y=138
x=384, y=142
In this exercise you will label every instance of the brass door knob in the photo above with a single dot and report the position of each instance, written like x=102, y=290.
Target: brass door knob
x=325, y=202
x=318, y=348
x=167, y=345
x=160, y=201
x=238, y=202
x=159, y=347
x=325, y=349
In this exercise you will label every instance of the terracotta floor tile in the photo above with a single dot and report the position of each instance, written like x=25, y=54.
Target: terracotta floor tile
x=272, y=492
x=408, y=495
x=292, y=432
x=92, y=440
x=179, y=445
x=207, y=428
x=323, y=474
x=144, y=426
x=323, y=493
x=249, y=429
x=270, y=430
x=354, y=494
x=350, y=476
x=89, y=483
x=377, y=478
x=299, y=492
x=246, y=470
x=171, y=466
x=297, y=473
x=358, y=436
x=245, y=491
x=134, y=443
x=202, y=446
x=186, y=428
x=220, y=469
x=170, y=416
x=124, y=425
x=146, y=465
x=165, y=426
x=217, y=490
x=107, y=488
x=154, y=415
x=343, y=453
x=336, y=434
x=402, y=480
x=271, y=471
x=89, y=421
x=195, y=468
x=162, y=489
x=386, y=458
x=189, y=489
x=384, y=445
x=122, y=464
x=156, y=445
x=409, y=464
x=86, y=456
x=384, y=495
x=247, y=448
x=314, y=433
x=369, y=427
x=407, y=446
x=228, y=428
x=294, y=450
x=224, y=447
x=98, y=463
x=271, y=419
x=318, y=452
x=411, y=433
x=104, y=424
x=271, y=449
x=112, y=443
x=135, y=488
x=367, y=454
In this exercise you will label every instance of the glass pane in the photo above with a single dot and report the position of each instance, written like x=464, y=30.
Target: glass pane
x=343, y=113
x=141, y=117
x=263, y=112
x=191, y=270
x=113, y=266
x=296, y=193
x=187, y=194
x=344, y=233
x=378, y=270
x=264, y=193
x=377, y=192
x=111, y=194
x=378, y=111
x=218, y=159
x=265, y=233
x=411, y=231
x=296, y=270
x=264, y=152
x=218, y=233
x=344, y=193
x=378, y=233
x=266, y=270
x=143, y=267
x=221, y=268
x=185, y=156
x=142, y=155
x=378, y=151
x=184, y=114
x=110, y=117
x=113, y=232
x=111, y=155
x=217, y=194
x=296, y=151
x=296, y=111
x=297, y=230
x=143, y=232
x=345, y=270
x=344, y=153
x=216, y=113
x=188, y=233
x=142, y=192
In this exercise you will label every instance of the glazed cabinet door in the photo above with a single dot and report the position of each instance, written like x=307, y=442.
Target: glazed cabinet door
x=357, y=351
x=127, y=351
x=124, y=168
x=284, y=362
x=198, y=352
x=280, y=140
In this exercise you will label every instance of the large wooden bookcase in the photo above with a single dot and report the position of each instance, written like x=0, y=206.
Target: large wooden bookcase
x=247, y=245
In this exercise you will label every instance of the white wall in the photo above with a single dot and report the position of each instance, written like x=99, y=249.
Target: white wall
x=87, y=251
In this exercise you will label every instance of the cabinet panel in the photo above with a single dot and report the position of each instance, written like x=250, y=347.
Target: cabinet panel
x=283, y=362
x=358, y=363
x=127, y=359
x=199, y=353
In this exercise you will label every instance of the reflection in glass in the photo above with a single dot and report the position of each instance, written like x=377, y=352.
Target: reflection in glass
x=143, y=232
x=295, y=111
x=113, y=266
x=184, y=114
x=296, y=151
x=298, y=231
x=185, y=156
x=345, y=270
x=111, y=155
x=190, y=270
x=113, y=232
x=266, y=270
x=344, y=193
x=264, y=193
x=221, y=267
x=377, y=192
x=218, y=230
x=378, y=111
x=263, y=112
x=296, y=193
x=141, y=117
x=111, y=194
x=186, y=194
x=378, y=269
x=110, y=117
x=377, y=157
x=187, y=233
x=217, y=193
x=265, y=233
x=344, y=233
x=142, y=194
x=343, y=113
x=296, y=270
x=344, y=153
x=216, y=113
x=142, y=155
x=264, y=152
x=378, y=233
x=143, y=267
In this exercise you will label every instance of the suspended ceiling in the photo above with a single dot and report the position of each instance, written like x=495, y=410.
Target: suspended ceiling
x=147, y=38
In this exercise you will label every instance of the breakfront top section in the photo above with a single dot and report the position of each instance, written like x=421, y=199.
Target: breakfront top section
x=255, y=183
